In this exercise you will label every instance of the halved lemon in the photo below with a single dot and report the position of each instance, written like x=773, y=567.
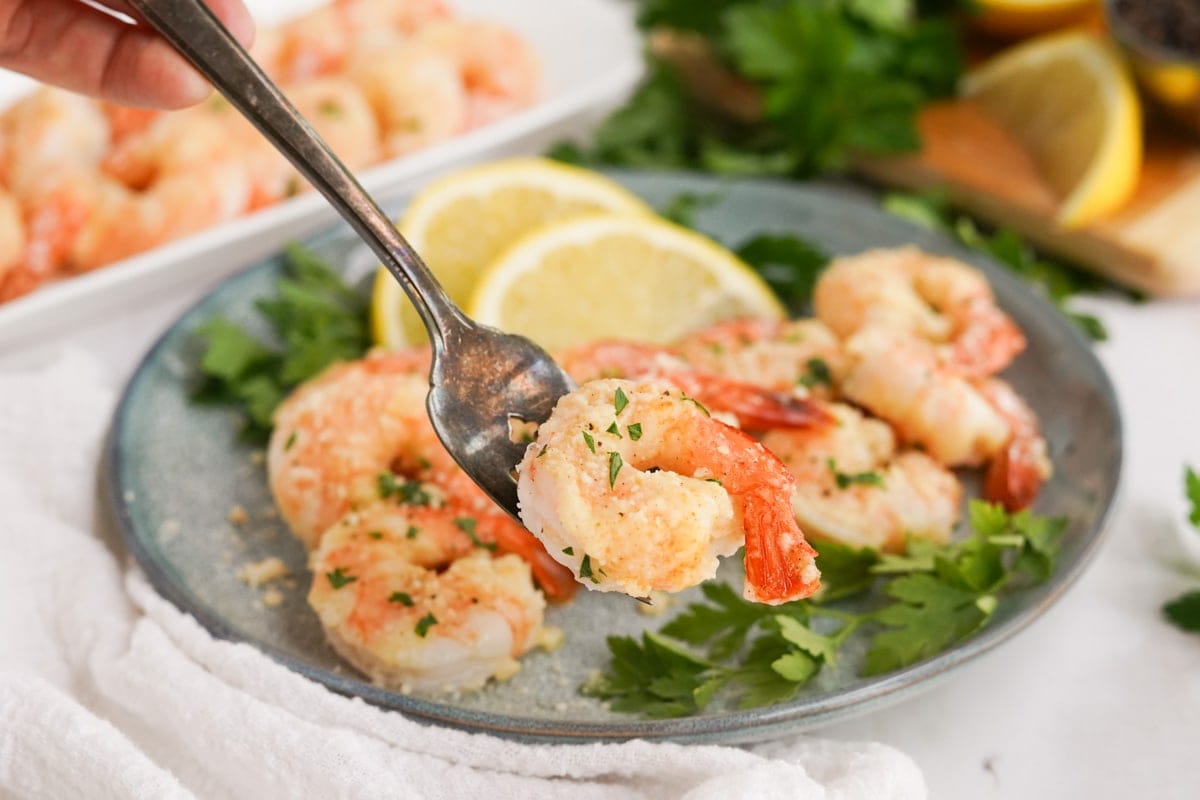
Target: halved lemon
x=1027, y=17
x=634, y=277
x=1069, y=99
x=461, y=222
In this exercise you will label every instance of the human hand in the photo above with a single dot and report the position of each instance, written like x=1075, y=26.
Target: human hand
x=73, y=44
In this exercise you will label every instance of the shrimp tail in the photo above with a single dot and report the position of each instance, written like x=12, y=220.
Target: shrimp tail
x=755, y=408
x=1016, y=474
x=988, y=345
x=780, y=564
x=556, y=581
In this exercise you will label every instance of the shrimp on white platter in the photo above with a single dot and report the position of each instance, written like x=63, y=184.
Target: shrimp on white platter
x=959, y=422
x=856, y=487
x=938, y=299
x=637, y=488
x=415, y=598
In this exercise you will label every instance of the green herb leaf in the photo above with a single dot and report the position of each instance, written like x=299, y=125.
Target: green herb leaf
x=589, y=441
x=614, y=466
x=585, y=569
x=1191, y=488
x=403, y=598
x=569, y=551
x=818, y=374
x=635, y=431
x=790, y=266
x=406, y=492
x=619, y=400
x=424, y=624
x=339, y=577
x=468, y=526
x=1184, y=612
x=614, y=430
x=845, y=480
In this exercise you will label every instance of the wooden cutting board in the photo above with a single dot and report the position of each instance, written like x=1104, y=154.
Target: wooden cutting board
x=1151, y=244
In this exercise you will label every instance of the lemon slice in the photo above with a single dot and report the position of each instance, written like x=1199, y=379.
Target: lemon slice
x=1026, y=17
x=461, y=222
x=635, y=277
x=1068, y=98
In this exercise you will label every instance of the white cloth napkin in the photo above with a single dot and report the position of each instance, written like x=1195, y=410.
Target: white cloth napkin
x=107, y=690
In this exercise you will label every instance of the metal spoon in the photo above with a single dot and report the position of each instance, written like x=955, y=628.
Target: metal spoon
x=481, y=379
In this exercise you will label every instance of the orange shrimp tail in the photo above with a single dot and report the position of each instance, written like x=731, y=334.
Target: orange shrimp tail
x=988, y=346
x=556, y=581
x=780, y=564
x=756, y=408
x=1015, y=476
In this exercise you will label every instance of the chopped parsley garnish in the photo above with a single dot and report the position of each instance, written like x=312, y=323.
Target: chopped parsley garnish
x=847, y=479
x=620, y=400
x=588, y=440
x=339, y=577
x=697, y=403
x=467, y=526
x=818, y=374
x=569, y=550
x=406, y=492
x=635, y=431
x=585, y=569
x=291, y=440
x=1184, y=611
x=614, y=430
x=403, y=598
x=376, y=534
x=907, y=608
x=614, y=466
x=314, y=319
x=424, y=624
x=412, y=532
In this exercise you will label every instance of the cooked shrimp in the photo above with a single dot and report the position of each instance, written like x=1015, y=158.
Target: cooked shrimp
x=855, y=488
x=413, y=597
x=499, y=70
x=15, y=279
x=900, y=378
x=55, y=211
x=1016, y=473
x=124, y=222
x=319, y=42
x=936, y=298
x=784, y=355
x=50, y=131
x=415, y=92
x=637, y=489
x=339, y=433
x=341, y=115
x=753, y=406
x=358, y=433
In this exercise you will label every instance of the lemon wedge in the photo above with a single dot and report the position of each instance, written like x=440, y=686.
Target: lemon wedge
x=461, y=222
x=1069, y=100
x=636, y=277
x=1027, y=17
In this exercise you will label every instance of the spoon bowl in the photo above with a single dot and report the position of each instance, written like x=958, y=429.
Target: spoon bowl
x=481, y=380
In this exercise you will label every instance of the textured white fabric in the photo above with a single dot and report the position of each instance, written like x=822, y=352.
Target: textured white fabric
x=107, y=690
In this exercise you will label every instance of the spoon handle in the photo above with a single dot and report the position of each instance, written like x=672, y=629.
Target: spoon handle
x=201, y=38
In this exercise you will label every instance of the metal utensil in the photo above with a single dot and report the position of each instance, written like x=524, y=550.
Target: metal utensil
x=481, y=379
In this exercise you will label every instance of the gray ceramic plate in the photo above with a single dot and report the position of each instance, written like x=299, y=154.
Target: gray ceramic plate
x=176, y=470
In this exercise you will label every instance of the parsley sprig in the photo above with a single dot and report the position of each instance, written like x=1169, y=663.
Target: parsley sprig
x=1184, y=611
x=827, y=78
x=918, y=604
x=315, y=318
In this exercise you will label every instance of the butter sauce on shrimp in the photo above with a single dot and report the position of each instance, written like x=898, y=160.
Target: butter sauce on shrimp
x=637, y=488
x=414, y=598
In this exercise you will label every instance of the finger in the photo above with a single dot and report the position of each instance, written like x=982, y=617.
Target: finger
x=71, y=45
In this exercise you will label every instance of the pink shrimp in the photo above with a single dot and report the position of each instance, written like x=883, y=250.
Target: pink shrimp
x=939, y=299
x=800, y=355
x=1017, y=471
x=499, y=70
x=753, y=406
x=637, y=489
